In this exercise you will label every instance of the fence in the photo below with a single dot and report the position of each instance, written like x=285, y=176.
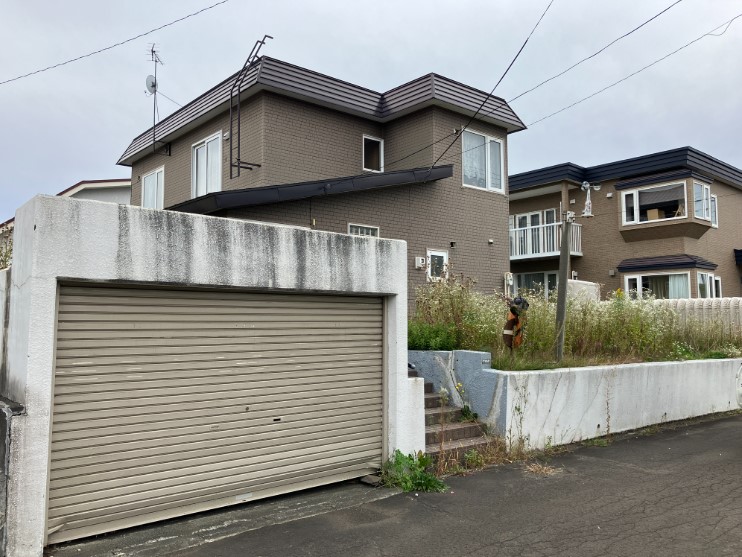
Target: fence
x=728, y=311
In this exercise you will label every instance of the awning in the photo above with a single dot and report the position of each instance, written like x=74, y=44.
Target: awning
x=248, y=197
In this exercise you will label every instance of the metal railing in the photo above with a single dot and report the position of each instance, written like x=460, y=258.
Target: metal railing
x=544, y=240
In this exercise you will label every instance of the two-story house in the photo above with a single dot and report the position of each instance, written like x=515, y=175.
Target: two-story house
x=666, y=223
x=319, y=152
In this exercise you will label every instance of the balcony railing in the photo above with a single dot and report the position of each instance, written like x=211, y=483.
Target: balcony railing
x=543, y=241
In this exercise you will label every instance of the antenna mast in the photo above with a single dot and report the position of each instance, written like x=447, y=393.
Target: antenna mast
x=235, y=163
x=152, y=88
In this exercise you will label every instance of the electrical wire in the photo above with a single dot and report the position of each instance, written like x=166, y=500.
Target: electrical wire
x=140, y=35
x=710, y=33
x=463, y=129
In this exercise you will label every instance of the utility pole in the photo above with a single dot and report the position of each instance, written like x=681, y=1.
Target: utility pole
x=561, y=312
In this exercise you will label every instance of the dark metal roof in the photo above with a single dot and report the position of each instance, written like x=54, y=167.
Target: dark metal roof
x=738, y=256
x=270, y=74
x=664, y=177
x=650, y=167
x=248, y=197
x=682, y=261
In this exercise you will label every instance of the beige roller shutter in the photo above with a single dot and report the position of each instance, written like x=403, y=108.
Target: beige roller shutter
x=169, y=402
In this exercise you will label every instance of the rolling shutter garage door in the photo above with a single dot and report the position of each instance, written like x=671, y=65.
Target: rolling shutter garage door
x=170, y=402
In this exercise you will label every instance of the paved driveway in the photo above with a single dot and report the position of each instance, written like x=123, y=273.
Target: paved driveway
x=676, y=492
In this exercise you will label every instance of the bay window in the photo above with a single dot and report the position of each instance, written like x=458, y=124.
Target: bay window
x=662, y=202
x=701, y=201
x=668, y=286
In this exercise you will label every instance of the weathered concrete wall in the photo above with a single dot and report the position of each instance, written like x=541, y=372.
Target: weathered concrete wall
x=567, y=405
x=4, y=315
x=66, y=239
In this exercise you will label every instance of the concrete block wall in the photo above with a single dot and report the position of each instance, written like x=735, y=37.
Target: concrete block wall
x=66, y=239
x=561, y=406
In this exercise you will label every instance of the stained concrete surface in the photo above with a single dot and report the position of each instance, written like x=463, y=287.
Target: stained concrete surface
x=677, y=492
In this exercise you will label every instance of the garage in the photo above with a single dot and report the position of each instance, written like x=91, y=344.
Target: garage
x=170, y=402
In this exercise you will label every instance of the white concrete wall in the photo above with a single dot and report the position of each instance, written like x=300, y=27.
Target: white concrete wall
x=561, y=406
x=4, y=293
x=60, y=238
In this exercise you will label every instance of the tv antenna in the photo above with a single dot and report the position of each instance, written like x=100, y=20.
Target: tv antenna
x=235, y=162
x=152, y=85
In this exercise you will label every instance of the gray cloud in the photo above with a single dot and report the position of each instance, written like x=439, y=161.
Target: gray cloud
x=72, y=123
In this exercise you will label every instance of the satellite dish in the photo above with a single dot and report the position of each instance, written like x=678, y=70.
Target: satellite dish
x=151, y=84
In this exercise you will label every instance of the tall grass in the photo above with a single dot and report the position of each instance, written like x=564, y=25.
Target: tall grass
x=617, y=330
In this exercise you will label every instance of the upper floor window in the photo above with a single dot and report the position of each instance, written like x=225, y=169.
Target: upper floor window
x=482, y=161
x=373, y=154
x=153, y=189
x=363, y=230
x=705, y=205
x=666, y=201
x=206, y=167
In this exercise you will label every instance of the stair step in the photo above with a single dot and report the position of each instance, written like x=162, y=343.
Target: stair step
x=428, y=388
x=450, y=414
x=432, y=400
x=459, y=446
x=451, y=432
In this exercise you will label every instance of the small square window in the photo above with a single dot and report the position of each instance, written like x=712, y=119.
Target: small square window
x=437, y=264
x=373, y=154
x=363, y=230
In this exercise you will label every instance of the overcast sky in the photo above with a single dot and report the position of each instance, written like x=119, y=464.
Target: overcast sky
x=72, y=123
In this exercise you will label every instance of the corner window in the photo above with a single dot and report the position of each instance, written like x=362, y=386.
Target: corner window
x=702, y=201
x=373, y=154
x=672, y=286
x=714, y=212
x=363, y=230
x=482, y=161
x=153, y=186
x=707, y=283
x=437, y=264
x=663, y=202
x=206, y=167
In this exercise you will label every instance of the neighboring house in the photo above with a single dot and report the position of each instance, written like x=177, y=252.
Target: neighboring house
x=335, y=156
x=666, y=223
x=113, y=191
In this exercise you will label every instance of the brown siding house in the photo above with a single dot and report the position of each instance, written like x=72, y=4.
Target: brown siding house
x=666, y=223
x=334, y=156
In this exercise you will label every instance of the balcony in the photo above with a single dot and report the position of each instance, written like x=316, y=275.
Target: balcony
x=542, y=241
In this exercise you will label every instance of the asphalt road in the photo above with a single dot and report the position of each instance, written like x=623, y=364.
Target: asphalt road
x=673, y=493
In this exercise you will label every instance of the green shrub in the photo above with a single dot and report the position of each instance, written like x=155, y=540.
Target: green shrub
x=410, y=473
x=426, y=336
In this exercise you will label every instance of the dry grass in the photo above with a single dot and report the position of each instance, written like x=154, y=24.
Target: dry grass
x=539, y=469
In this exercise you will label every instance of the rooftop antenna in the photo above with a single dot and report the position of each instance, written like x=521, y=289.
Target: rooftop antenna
x=235, y=162
x=151, y=84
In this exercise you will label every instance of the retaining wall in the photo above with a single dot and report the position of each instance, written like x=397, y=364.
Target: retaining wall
x=561, y=406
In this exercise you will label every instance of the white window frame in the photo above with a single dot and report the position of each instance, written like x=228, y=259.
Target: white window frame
x=489, y=186
x=443, y=253
x=635, y=194
x=711, y=283
x=717, y=287
x=638, y=277
x=160, y=194
x=545, y=283
x=705, y=201
x=363, y=153
x=714, y=210
x=218, y=136
x=366, y=226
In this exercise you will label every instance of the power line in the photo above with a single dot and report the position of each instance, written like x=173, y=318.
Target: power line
x=710, y=33
x=463, y=129
x=113, y=45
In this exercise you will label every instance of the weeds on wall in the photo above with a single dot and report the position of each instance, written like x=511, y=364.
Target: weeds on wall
x=6, y=250
x=620, y=329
